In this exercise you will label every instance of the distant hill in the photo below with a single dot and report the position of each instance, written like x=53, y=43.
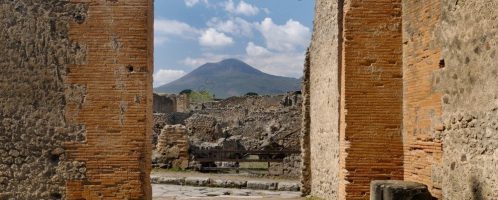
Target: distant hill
x=231, y=77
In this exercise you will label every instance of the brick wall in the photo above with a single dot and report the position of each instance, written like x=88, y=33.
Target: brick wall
x=76, y=99
x=421, y=102
x=371, y=90
x=117, y=107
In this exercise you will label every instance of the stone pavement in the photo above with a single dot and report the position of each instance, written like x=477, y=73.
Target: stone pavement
x=177, y=192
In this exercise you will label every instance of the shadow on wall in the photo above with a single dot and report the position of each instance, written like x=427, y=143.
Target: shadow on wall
x=476, y=189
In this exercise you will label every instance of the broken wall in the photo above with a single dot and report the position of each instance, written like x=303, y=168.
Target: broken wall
x=75, y=99
x=172, y=149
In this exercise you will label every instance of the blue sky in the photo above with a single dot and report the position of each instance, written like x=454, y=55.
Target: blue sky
x=270, y=35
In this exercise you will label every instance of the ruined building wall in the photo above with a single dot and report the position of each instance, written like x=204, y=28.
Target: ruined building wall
x=371, y=96
x=450, y=131
x=355, y=97
x=421, y=102
x=446, y=90
x=76, y=99
x=324, y=100
x=171, y=103
x=164, y=104
x=468, y=83
x=172, y=147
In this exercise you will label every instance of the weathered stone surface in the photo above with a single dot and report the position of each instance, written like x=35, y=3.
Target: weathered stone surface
x=35, y=54
x=172, y=148
x=262, y=185
x=397, y=190
x=162, y=119
x=168, y=180
x=228, y=183
x=197, y=181
x=288, y=186
x=324, y=100
x=171, y=103
x=468, y=83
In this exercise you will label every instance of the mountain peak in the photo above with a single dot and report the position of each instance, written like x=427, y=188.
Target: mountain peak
x=232, y=61
x=231, y=77
x=231, y=65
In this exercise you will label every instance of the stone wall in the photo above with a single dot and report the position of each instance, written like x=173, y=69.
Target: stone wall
x=324, y=100
x=164, y=104
x=75, y=99
x=168, y=103
x=449, y=100
x=172, y=148
x=468, y=84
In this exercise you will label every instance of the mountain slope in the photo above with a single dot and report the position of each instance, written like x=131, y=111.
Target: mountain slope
x=231, y=77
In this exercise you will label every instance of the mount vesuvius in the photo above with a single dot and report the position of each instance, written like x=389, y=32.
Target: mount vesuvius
x=231, y=77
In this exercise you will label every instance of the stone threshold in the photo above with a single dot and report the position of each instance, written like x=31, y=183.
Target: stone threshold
x=224, y=183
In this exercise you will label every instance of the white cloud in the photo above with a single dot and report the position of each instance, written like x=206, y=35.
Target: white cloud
x=235, y=26
x=165, y=28
x=191, y=3
x=276, y=63
x=242, y=8
x=164, y=76
x=253, y=50
x=284, y=38
x=212, y=38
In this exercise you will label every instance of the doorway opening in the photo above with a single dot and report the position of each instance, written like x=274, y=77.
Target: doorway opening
x=227, y=96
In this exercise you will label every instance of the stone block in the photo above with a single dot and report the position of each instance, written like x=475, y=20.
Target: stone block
x=262, y=185
x=197, y=181
x=288, y=186
x=398, y=190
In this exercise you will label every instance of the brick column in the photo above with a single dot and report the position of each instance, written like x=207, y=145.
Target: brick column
x=371, y=96
x=117, y=106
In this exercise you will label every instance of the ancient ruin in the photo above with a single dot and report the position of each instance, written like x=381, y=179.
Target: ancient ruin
x=240, y=125
x=168, y=103
x=402, y=90
x=75, y=99
x=393, y=89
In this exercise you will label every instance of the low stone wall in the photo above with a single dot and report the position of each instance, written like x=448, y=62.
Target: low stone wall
x=226, y=183
x=172, y=148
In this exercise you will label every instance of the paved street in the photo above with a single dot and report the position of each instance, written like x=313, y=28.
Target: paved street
x=175, y=192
